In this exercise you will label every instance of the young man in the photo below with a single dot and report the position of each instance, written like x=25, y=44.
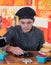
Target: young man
x=24, y=37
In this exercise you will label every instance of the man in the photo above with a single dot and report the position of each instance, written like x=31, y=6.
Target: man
x=24, y=37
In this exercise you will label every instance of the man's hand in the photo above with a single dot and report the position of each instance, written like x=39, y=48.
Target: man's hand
x=16, y=50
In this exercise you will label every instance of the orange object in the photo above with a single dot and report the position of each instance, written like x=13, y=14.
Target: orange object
x=49, y=32
x=3, y=31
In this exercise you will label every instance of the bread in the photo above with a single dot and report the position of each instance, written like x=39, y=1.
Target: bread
x=47, y=46
x=45, y=49
x=48, y=54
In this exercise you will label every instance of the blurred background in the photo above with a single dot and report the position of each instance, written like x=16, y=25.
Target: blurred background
x=8, y=8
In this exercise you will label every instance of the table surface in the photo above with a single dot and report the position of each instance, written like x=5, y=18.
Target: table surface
x=10, y=59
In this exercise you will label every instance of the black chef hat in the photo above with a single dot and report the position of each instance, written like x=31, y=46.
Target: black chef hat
x=26, y=12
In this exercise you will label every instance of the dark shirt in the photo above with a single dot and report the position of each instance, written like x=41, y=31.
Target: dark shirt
x=33, y=40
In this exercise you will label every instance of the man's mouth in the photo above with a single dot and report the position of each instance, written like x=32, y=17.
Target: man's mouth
x=25, y=29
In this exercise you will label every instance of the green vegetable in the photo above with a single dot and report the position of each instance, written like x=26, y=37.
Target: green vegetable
x=2, y=52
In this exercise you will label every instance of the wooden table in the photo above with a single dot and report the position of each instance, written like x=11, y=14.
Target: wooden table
x=12, y=60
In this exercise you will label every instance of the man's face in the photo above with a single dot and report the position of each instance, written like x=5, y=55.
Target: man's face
x=26, y=24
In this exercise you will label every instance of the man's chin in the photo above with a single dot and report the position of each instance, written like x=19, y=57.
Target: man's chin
x=26, y=31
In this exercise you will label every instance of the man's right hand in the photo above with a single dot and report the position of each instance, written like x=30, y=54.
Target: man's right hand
x=15, y=50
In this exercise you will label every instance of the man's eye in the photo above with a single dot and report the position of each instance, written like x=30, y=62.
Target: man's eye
x=29, y=22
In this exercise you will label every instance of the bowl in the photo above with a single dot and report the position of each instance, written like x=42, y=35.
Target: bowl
x=3, y=56
x=41, y=59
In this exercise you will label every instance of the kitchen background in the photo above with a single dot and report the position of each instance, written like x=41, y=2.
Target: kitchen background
x=8, y=8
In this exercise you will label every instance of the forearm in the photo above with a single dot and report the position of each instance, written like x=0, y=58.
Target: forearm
x=15, y=50
x=9, y=48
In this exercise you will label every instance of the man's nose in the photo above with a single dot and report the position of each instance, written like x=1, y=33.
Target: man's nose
x=26, y=25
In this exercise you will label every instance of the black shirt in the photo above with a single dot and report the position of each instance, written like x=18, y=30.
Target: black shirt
x=33, y=40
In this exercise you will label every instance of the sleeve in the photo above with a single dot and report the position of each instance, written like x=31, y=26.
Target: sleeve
x=41, y=40
x=9, y=35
